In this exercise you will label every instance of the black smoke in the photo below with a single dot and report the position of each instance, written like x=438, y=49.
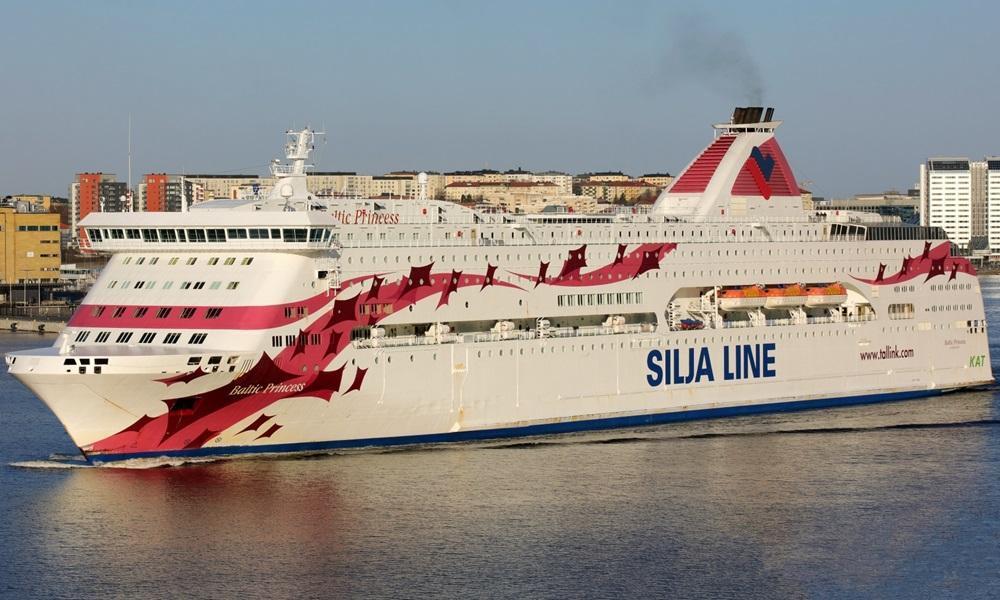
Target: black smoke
x=718, y=59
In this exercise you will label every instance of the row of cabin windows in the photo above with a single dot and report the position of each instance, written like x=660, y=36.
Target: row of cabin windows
x=296, y=311
x=211, y=235
x=949, y=287
x=950, y=307
x=231, y=260
x=185, y=285
x=161, y=313
x=610, y=255
x=901, y=311
x=599, y=299
x=305, y=339
x=146, y=338
x=647, y=233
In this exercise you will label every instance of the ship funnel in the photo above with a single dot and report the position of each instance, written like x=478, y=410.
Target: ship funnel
x=746, y=115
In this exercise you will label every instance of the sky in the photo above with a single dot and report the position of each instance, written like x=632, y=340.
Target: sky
x=867, y=90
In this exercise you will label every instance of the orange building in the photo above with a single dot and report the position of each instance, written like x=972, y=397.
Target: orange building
x=156, y=192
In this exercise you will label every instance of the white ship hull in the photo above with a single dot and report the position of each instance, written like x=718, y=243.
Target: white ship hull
x=435, y=328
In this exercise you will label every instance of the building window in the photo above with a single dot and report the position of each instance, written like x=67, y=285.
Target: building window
x=199, y=285
x=147, y=338
x=82, y=336
x=231, y=260
x=141, y=312
x=163, y=313
x=118, y=312
x=171, y=338
x=187, y=313
x=213, y=261
x=102, y=337
x=246, y=261
x=213, y=313
x=233, y=285
x=197, y=338
x=124, y=337
x=97, y=311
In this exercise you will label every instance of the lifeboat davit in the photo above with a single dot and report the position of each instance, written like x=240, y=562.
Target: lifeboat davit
x=783, y=296
x=750, y=297
x=826, y=295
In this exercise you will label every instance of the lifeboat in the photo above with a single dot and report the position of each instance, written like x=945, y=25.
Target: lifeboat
x=826, y=295
x=741, y=298
x=783, y=296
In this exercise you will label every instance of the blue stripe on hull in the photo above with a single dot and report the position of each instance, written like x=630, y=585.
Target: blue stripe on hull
x=527, y=430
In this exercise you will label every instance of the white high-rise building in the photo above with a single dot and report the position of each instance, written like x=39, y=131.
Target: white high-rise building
x=993, y=202
x=946, y=197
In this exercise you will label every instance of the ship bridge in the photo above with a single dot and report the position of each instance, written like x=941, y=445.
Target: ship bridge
x=209, y=230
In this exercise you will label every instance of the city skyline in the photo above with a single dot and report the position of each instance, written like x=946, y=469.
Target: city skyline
x=562, y=86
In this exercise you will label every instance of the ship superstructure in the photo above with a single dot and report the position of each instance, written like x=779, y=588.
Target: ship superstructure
x=290, y=322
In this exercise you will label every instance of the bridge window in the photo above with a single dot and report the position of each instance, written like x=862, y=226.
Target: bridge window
x=294, y=235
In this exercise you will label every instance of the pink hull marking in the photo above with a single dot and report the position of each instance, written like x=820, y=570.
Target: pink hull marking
x=933, y=262
x=296, y=371
x=231, y=317
x=626, y=266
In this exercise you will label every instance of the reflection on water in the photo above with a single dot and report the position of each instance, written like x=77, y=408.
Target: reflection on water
x=848, y=502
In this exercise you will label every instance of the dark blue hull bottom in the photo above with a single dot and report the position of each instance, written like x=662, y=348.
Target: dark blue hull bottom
x=527, y=430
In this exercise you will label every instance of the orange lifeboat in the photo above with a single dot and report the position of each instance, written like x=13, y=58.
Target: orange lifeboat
x=783, y=296
x=826, y=295
x=741, y=298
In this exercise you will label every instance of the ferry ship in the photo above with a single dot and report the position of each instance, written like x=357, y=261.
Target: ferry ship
x=295, y=323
